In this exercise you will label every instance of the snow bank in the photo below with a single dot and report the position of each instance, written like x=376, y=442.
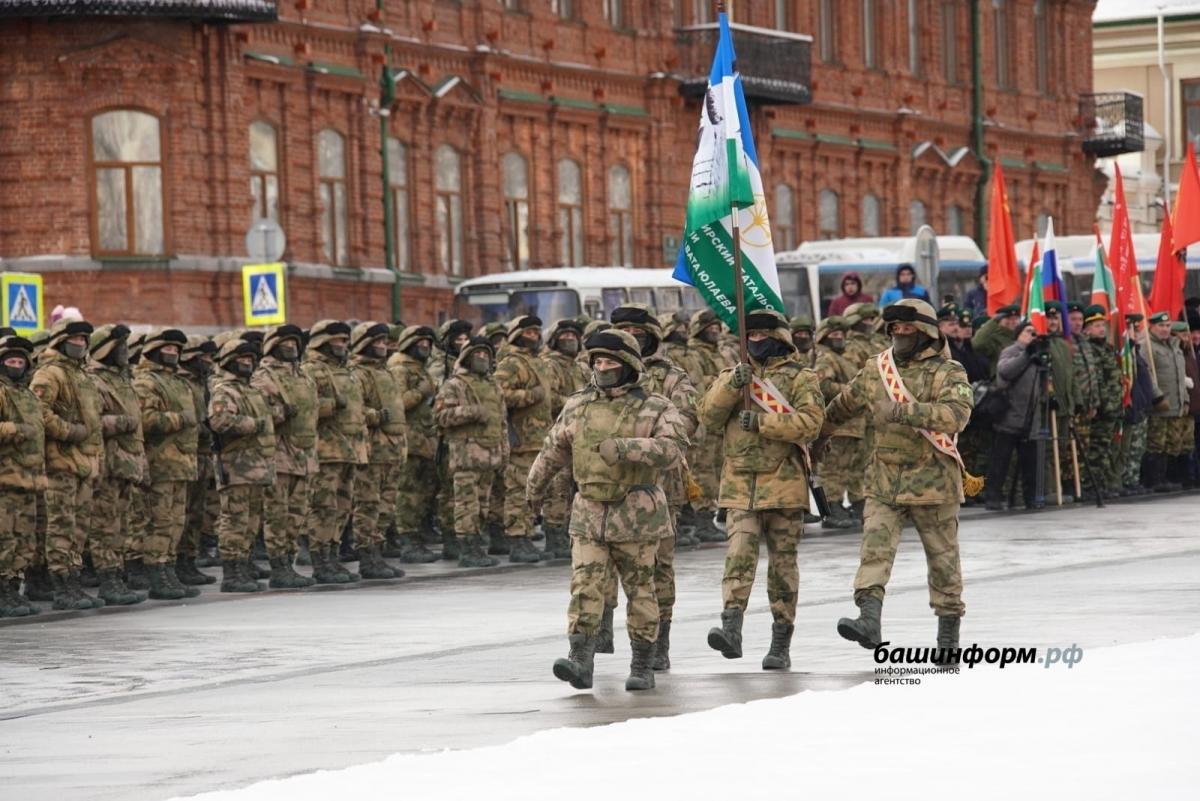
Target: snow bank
x=1120, y=724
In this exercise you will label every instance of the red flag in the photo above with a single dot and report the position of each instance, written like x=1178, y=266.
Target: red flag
x=1169, y=275
x=1034, y=258
x=1122, y=261
x=1187, y=204
x=1004, y=278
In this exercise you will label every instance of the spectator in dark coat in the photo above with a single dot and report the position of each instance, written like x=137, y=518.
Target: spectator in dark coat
x=976, y=300
x=1016, y=375
x=851, y=285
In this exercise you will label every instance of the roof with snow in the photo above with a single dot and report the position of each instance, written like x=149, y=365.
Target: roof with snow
x=240, y=10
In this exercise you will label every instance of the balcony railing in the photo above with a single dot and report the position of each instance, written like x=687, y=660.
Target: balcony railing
x=776, y=66
x=1112, y=123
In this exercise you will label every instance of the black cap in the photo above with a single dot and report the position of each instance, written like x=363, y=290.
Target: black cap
x=632, y=314
x=606, y=340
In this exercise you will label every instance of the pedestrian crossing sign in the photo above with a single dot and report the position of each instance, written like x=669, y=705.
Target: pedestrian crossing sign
x=263, y=288
x=22, y=295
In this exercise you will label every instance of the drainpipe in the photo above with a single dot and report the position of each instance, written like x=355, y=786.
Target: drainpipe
x=1167, y=103
x=387, y=94
x=985, y=164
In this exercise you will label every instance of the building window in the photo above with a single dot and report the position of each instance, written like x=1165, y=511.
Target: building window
x=614, y=12
x=917, y=216
x=914, y=37
x=127, y=171
x=516, y=210
x=398, y=185
x=264, y=172
x=331, y=167
x=620, y=216
x=1041, y=46
x=1190, y=91
x=513, y=5
x=570, y=213
x=871, y=223
x=1041, y=223
x=783, y=15
x=829, y=223
x=447, y=165
x=702, y=11
x=870, y=34
x=785, y=218
x=954, y=220
x=950, y=42
x=566, y=9
x=828, y=32
x=1001, y=43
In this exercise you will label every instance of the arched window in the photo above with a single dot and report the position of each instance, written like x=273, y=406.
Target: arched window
x=335, y=219
x=620, y=216
x=784, y=223
x=616, y=13
x=954, y=220
x=827, y=32
x=516, y=210
x=264, y=171
x=871, y=216
x=570, y=213
x=447, y=180
x=1041, y=46
x=917, y=216
x=829, y=225
x=127, y=171
x=1000, y=46
x=870, y=34
x=398, y=186
x=914, y=37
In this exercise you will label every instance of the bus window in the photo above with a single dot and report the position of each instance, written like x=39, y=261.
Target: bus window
x=592, y=309
x=876, y=279
x=793, y=286
x=550, y=305
x=692, y=302
x=642, y=294
x=668, y=299
x=612, y=298
x=481, y=308
x=956, y=281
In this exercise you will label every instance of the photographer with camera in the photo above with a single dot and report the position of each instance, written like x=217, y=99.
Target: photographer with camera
x=1017, y=376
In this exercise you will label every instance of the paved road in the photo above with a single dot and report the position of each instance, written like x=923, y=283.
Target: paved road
x=180, y=699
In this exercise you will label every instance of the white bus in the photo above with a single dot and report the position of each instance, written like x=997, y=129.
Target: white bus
x=1077, y=263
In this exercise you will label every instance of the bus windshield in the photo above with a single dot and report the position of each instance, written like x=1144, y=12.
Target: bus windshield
x=793, y=286
x=876, y=279
x=498, y=305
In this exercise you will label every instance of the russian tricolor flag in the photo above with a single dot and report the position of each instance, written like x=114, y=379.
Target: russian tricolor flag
x=1052, y=283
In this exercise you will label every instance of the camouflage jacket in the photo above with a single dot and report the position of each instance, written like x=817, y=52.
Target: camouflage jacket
x=284, y=385
x=416, y=390
x=676, y=354
x=22, y=438
x=169, y=422
x=903, y=468
x=1085, y=378
x=765, y=469
x=623, y=502
x=241, y=417
x=341, y=423
x=439, y=367
x=470, y=411
x=124, y=451
x=1110, y=393
x=1062, y=371
x=664, y=378
x=990, y=341
x=199, y=387
x=68, y=397
x=525, y=384
x=567, y=376
x=386, y=433
x=809, y=359
x=706, y=363
x=860, y=347
x=834, y=371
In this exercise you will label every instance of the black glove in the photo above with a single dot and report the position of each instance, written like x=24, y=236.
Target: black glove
x=748, y=420
x=742, y=375
x=260, y=425
x=385, y=416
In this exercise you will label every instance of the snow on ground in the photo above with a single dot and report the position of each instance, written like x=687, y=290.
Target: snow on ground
x=1119, y=724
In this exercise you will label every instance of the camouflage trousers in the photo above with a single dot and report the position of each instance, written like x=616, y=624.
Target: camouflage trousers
x=782, y=529
x=842, y=467
x=975, y=445
x=285, y=513
x=137, y=523
x=1133, y=447
x=937, y=526
x=472, y=499
x=664, y=575
x=166, y=509
x=68, y=501
x=1171, y=436
x=242, y=507
x=633, y=562
x=556, y=508
x=705, y=459
x=389, y=492
x=417, y=494
x=374, y=484
x=203, y=507
x=495, y=510
x=331, y=495
x=1100, y=453
x=445, y=493
x=18, y=530
x=108, y=531
x=518, y=519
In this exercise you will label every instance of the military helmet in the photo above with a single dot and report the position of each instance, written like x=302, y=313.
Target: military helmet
x=282, y=333
x=159, y=337
x=492, y=329
x=773, y=323
x=233, y=348
x=638, y=315
x=451, y=329
x=105, y=338
x=475, y=343
x=594, y=326
x=669, y=321
x=325, y=330
x=135, y=346
x=832, y=323
x=563, y=325
x=801, y=322
x=414, y=333
x=520, y=324
x=363, y=334
x=39, y=340
x=701, y=320
x=197, y=345
x=66, y=328
x=915, y=311
x=615, y=344
x=12, y=344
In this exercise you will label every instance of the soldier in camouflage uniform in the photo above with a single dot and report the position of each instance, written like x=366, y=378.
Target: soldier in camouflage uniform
x=991, y=338
x=451, y=336
x=567, y=376
x=341, y=446
x=525, y=383
x=704, y=456
x=802, y=337
x=124, y=461
x=292, y=398
x=1169, y=435
x=1065, y=399
x=1104, y=427
x=239, y=414
x=907, y=478
x=763, y=483
x=674, y=326
x=617, y=439
x=497, y=334
x=22, y=473
x=203, y=502
x=469, y=409
x=417, y=490
x=74, y=451
x=376, y=482
x=844, y=459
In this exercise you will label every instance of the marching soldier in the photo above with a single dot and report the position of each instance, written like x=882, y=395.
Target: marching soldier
x=416, y=498
x=704, y=456
x=567, y=376
x=842, y=465
x=452, y=336
x=918, y=402
x=203, y=503
x=22, y=473
x=863, y=340
x=617, y=439
x=763, y=483
x=674, y=326
x=802, y=337
x=991, y=338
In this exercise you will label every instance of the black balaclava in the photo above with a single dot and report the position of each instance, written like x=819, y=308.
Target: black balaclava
x=287, y=351
x=119, y=355
x=764, y=349
x=418, y=351
x=804, y=342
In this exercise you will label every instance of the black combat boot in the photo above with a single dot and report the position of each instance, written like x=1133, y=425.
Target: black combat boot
x=336, y=564
x=497, y=542
x=471, y=547
x=372, y=566
x=87, y=574
x=161, y=586
x=12, y=604
x=37, y=583
x=728, y=638
x=392, y=543
x=303, y=556
x=706, y=529
x=136, y=575
x=838, y=518
x=641, y=675
x=75, y=585
x=857, y=508
x=947, y=641
x=207, y=555
x=1169, y=476
x=604, y=637
x=292, y=560
x=413, y=551
x=558, y=542
x=865, y=629
x=188, y=592
x=283, y=577
x=323, y=572
x=451, y=550
x=114, y=592
x=189, y=575
x=14, y=586
x=523, y=551
x=256, y=572
x=576, y=669
x=662, y=647
x=779, y=656
x=234, y=577
x=64, y=597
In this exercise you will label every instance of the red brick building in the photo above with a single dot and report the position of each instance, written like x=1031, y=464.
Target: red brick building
x=140, y=138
